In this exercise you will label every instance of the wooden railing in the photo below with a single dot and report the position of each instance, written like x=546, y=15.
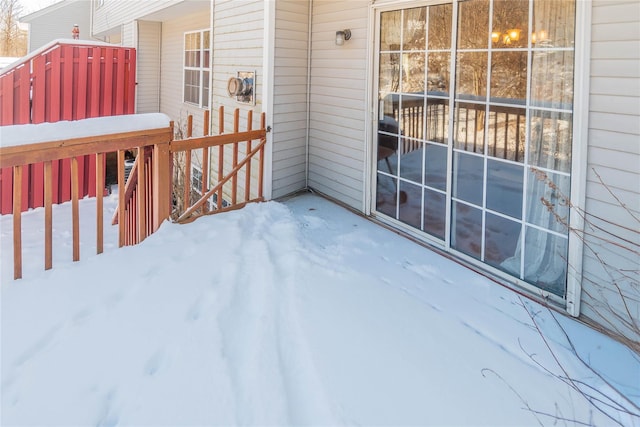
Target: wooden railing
x=146, y=199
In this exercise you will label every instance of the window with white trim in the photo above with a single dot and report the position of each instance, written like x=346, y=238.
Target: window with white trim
x=197, y=54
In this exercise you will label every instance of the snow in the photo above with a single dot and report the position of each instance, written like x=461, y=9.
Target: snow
x=284, y=313
x=58, y=131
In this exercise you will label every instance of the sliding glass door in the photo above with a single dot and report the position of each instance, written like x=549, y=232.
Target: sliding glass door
x=474, y=130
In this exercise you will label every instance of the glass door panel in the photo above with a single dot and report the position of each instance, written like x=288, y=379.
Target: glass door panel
x=487, y=159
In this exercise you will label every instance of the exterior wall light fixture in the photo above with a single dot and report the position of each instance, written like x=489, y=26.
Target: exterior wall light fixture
x=341, y=36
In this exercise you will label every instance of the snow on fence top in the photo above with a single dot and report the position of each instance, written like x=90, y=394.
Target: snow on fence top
x=44, y=132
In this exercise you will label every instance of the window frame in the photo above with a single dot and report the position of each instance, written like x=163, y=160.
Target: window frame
x=204, y=84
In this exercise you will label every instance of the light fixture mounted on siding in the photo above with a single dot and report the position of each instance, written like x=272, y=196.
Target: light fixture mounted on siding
x=341, y=36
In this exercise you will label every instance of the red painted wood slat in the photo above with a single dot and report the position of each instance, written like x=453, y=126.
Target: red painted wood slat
x=67, y=83
x=53, y=102
x=23, y=104
x=96, y=67
x=131, y=82
x=81, y=93
x=120, y=83
x=107, y=83
x=38, y=99
x=6, y=116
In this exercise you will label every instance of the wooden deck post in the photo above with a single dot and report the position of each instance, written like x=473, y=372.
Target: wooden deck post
x=161, y=184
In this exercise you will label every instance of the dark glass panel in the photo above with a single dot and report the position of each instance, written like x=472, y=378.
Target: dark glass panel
x=468, y=175
x=466, y=229
x=504, y=188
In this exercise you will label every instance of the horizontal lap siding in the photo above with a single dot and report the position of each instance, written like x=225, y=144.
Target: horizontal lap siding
x=338, y=97
x=614, y=155
x=149, y=36
x=172, y=68
x=238, y=45
x=290, y=96
x=238, y=38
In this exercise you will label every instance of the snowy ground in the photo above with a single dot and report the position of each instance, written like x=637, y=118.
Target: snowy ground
x=279, y=314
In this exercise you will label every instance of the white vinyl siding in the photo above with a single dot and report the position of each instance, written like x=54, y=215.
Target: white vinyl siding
x=129, y=34
x=338, y=98
x=238, y=45
x=56, y=22
x=614, y=152
x=148, y=66
x=290, y=96
x=172, y=60
x=238, y=38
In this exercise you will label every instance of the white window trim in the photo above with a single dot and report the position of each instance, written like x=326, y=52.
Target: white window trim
x=201, y=69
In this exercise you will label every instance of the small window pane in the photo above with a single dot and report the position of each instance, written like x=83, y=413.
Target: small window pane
x=413, y=72
x=509, y=77
x=550, y=140
x=501, y=243
x=387, y=157
x=390, y=30
x=473, y=24
x=437, y=120
x=466, y=229
x=552, y=79
x=553, y=23
x=410, y=204
x=440, y=26
x=414, y=34
x=468, y=177
x=506, y=133
x=436, y=166
x=435, y=208
x=548, y=200
x=389, y=78
x=469, y=127
x=438, y=73
x=411, y=164
x=386, y=190
x=504, y=188
x=510, y=24
x=545, y=261
x=412, y=116
x=471, y=76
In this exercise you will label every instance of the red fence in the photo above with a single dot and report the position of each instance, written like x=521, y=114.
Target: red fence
x=64, y=81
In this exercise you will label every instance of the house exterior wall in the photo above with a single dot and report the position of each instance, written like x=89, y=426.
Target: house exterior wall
x=171, y=64
x=148, y=57
x=238, y=45
x=290, y=96
x=338, y=97
x=614, y=155
x=56, y=22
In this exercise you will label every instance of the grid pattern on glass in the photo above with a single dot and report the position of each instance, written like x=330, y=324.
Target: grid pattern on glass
x=413, y=116
x=509, y=178
x=513, y=116
x=196, y=68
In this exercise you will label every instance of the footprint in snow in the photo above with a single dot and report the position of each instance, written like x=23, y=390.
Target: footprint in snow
x=155, y=363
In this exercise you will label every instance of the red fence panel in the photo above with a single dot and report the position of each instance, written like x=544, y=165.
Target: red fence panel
x=64, y=81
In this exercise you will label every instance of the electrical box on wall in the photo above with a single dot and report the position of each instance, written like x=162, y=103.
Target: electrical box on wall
x=242, y=87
